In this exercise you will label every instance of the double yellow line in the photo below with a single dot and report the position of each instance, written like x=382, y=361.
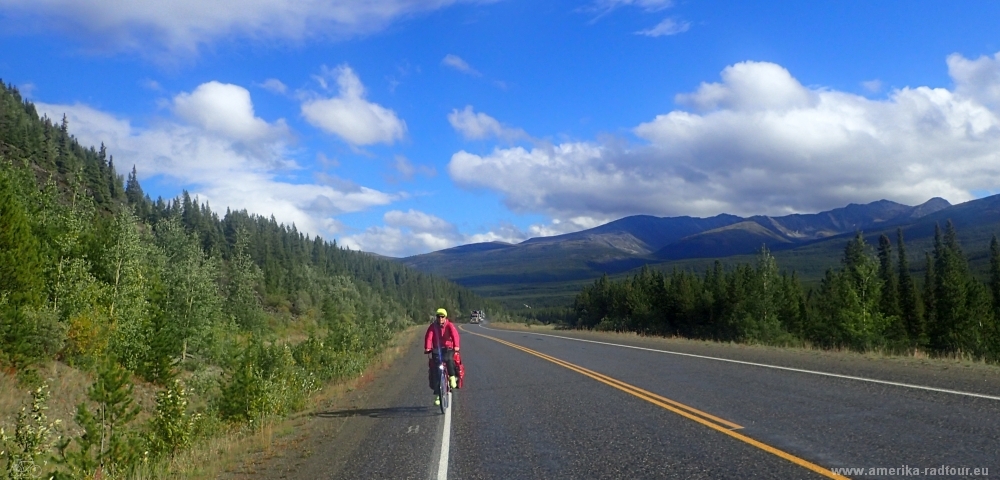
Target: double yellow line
x=691, y=413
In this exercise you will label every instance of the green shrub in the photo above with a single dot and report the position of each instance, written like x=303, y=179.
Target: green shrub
x=171, y=427
x=26, y=453
x=267, y=382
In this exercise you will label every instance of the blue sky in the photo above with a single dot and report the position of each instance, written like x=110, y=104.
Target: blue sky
x=407, y=126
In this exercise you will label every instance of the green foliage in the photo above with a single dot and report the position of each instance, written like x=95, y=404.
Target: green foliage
x=171, y=427
x=26, y=454
x=125, y=266
x=862, y=305
x=267, y=382
x=192, y=300
x=21, y=280
x=909, y=304
x=108, y=446
x=761, y=322
x=95, y=273
x=854, y=297
x=995, y=274
x=30, y=334
x=242, y=301
x=749, y=303
x=896, y=333
x=962, y=319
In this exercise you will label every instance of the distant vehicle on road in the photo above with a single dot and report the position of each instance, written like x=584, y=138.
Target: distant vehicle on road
x=477, y=316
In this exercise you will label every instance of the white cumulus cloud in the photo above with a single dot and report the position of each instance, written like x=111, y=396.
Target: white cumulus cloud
x=977, y=79
x=418, y=221
x=414, y=232
x=183, y=26
x=751, y=86
x=349, y=115
x=479, y=126
x=759, y=142
x=225, y=109
x=406, y=233
x=218, y=150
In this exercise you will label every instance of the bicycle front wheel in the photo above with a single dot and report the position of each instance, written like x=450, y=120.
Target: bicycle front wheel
x=443, y=390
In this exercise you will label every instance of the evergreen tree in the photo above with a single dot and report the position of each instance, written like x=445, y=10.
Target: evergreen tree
x=909, y=304
x=951, y=279
x=886, y=272
x=930, y=302
x=992, y=342
x=133, y=191
x=995, y=275
x=895, y=332
x=21, y=279
x=107, y=447
x=762, y=323
x=115, y=185
x=23, y=328
x=851, y=298
x=242, y=301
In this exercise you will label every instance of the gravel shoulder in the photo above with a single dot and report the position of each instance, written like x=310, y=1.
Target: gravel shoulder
x=952, y=374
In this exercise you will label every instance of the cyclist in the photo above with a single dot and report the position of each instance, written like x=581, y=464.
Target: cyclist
x=441, y=332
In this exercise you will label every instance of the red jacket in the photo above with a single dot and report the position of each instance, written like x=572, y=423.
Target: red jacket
x=448, y=333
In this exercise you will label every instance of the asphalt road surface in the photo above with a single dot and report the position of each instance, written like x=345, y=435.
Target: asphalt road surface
x=538, y=406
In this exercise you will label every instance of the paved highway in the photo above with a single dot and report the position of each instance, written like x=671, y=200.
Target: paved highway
x=538, y=406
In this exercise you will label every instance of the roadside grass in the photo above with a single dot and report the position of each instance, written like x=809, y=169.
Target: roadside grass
x=69, y=387
x=523, y=326
x=914, y=357
x=223, y=447
x=242, y=449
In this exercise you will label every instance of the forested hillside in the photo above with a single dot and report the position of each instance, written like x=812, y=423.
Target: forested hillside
x=870, y=301
x=97, y=275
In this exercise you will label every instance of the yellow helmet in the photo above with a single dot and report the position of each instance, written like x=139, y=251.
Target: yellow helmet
x=442, y=312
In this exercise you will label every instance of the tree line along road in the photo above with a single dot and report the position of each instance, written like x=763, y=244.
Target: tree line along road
x=540, y=406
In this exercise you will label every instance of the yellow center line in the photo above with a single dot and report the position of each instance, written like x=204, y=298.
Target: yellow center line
x=643, y=394
x=708, y=420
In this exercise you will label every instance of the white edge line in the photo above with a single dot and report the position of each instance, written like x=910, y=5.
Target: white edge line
x=445, y=442
x=790, y=369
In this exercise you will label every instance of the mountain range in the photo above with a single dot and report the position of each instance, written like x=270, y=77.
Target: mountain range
x=548, y=270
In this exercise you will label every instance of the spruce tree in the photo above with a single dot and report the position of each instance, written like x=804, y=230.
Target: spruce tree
x=107, y=446
x=930, y=288
x=242, y=301
x=861, y=320
x=115, y=185
x=909, y=304
x=21, y=279
x=995, y=275
x=761, y=322
x=992, y=342
x=133, y=191
x=889, y=304
x=952, y=280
